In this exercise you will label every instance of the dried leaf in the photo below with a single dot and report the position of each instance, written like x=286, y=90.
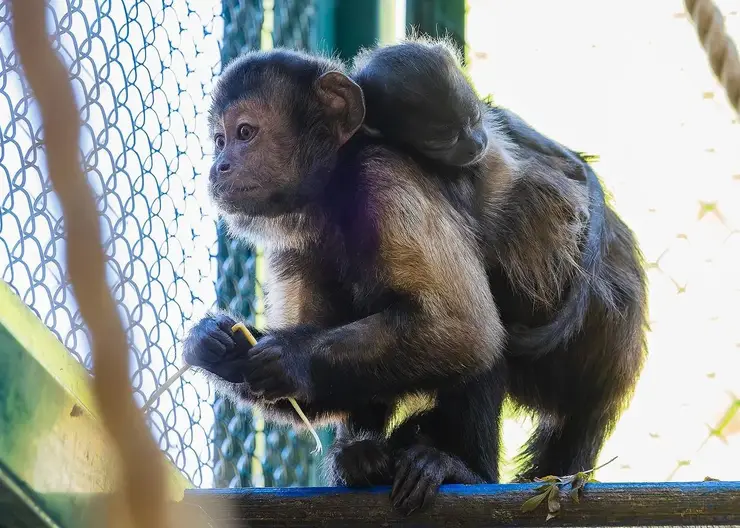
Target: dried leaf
x=549, y=478
x=553, y=500
x=575, y=495
x=532, y=503
x=711, y=479
x=550, y=516
x=579, y=480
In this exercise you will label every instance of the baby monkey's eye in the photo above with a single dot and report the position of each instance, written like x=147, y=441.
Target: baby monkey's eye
x=220, y=141
x=246, y=132
x=442, y=142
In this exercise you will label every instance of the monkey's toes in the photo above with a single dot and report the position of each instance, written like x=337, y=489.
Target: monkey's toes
x=419, y=473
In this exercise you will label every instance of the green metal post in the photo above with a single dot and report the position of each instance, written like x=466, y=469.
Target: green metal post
x=438, y=18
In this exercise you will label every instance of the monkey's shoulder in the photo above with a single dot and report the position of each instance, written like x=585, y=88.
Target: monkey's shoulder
x=397, y=177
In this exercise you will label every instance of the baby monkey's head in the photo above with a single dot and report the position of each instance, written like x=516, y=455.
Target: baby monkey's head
x=416, y=93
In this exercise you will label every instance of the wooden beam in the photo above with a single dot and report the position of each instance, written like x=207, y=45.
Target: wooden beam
x=636, y=504
x=53, y=449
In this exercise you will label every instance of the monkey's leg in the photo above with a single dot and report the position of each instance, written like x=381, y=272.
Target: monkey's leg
x=566, y=446
x=580, y=393
x=360, y=455
x=457, y=442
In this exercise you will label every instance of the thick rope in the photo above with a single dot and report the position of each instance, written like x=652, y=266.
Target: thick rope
x=720, y=48
x=141, y=498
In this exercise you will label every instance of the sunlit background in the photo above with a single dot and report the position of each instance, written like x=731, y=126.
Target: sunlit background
x=629, y=81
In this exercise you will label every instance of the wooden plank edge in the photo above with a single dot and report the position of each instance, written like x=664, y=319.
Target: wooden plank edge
x=41, y=344
x=19, y=506
x=602, y=504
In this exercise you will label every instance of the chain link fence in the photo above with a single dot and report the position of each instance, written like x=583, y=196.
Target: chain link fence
x=142, y=72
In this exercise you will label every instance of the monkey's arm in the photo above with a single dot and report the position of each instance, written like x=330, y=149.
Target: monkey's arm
x=443, y=323
x=220, y=353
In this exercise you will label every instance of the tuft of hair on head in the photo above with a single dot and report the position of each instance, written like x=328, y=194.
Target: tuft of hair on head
x=265, y=74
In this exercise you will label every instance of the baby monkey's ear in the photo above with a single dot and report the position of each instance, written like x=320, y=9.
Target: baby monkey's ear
x=344, y=103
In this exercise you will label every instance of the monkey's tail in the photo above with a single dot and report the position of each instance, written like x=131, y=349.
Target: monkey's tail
x=535, y=342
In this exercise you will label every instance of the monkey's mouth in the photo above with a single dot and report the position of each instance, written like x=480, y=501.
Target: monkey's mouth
x=241, y=189
x=229, y=191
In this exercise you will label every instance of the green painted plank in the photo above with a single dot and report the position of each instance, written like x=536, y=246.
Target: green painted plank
x=48, y=442
x=52, y=443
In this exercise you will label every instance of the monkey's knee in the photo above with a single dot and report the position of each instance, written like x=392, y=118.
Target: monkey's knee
x=360, y=462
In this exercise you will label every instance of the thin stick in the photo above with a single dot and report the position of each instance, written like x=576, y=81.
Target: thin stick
x=166, y=385
x=252, y=341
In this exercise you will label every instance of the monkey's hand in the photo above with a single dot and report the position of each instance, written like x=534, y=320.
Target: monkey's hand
x=212, y=346
x=278, y=366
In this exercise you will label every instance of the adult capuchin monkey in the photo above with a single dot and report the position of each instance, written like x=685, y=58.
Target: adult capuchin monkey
x=384, y=266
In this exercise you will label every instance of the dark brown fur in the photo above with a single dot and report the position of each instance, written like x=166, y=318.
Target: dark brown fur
x=384, y=267
x=417, y=95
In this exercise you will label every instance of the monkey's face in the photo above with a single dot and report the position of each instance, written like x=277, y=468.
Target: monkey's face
x=254, y=158
x=276, y=143
x=454, y=134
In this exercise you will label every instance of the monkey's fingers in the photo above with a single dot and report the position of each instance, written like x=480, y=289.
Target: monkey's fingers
x=296, y=407
x=224, y=322
x=264, y=356
x=232, y=370
x=430, y=494
x=407, y=480
x=425, y=471
x=425, y=490
x=402, y=467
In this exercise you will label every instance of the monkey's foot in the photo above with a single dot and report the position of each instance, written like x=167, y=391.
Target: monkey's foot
x=363, y=463
x=420, y=471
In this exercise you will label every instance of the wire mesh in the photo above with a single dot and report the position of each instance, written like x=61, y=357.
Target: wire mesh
x=141, y=72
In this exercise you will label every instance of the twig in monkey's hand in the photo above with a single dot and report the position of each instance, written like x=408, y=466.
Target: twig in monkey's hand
x=550, y=490
x=252, y=341
x=142, y=464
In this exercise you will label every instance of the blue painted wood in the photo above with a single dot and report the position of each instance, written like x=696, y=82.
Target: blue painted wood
x=602, y=504
x=478, y=489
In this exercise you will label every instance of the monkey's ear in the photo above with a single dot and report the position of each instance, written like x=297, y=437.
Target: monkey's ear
x=344, y=103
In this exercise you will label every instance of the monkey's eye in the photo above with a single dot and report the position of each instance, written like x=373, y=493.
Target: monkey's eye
x=442, y=143
x=220, y=141
x=246, y=132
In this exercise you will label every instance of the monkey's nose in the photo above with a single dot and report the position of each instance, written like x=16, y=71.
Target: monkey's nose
x=224, y=166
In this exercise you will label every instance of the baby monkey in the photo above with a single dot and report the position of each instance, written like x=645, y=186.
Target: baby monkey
x=417, y=94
